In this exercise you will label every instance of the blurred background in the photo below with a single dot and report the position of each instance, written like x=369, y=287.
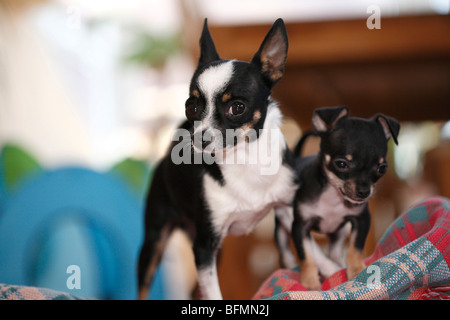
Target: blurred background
x=91, y=92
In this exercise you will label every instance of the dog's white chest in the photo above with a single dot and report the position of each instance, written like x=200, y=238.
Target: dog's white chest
x=330, y=208
x=246, y=197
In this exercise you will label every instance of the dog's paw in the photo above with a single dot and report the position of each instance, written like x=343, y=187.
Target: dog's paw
x=354, y=270
x=355, y=262
x=311, y=282
x=309, y=278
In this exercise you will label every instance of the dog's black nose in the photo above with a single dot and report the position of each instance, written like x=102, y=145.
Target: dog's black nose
x=207, y=139
x=202, y=139
x=205, y=144
x=363, y=192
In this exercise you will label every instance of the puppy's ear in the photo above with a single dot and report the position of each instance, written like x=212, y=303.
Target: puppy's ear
x=390, y=126
x=325, y=119
x=208, y=52
x=271, y=56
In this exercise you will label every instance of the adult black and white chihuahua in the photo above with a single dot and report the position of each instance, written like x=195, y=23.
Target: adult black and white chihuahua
x=213, y=186
x=335, y=186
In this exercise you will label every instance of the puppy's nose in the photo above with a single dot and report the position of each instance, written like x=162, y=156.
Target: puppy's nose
x=363, y=191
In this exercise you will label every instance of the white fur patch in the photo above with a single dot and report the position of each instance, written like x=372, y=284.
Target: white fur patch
x=246, y=197
x=212, y=82
x=208, y=282
x=336, y=250
x=249, y=194
x=326, y=266
x=285, y=216
x=330, y=208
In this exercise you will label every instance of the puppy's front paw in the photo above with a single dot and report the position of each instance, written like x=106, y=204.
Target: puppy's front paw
x=355, y=262
x=309, y=278
x=354, y=270
x=311, y=282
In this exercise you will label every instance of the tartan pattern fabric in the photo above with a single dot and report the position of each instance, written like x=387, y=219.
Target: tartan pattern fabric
x=13, y=292
x=411, y=261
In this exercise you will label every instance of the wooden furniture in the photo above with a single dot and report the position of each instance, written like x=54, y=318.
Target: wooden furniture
x=402, y=69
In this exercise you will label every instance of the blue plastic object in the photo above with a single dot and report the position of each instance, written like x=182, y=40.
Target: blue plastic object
x=74, y=216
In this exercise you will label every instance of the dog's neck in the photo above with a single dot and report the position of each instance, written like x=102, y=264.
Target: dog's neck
x=274, y=116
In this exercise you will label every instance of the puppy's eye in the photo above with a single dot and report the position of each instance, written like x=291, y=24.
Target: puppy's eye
x=236, y=109
x=341, y=165
x=382, y=168
x=191, y=110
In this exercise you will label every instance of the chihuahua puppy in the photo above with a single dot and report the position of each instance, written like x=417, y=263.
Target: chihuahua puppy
x=219, y=186
x=335, y=186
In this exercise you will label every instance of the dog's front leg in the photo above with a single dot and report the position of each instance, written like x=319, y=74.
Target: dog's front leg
x=208, y=282
x=355, y=257
x=337, y=246
x=206, y=246
x=283, y=225
x=309, y=272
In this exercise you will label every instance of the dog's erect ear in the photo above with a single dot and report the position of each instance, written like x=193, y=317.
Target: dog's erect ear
x=208, y=52
x=324, y=119
x=272, y=54
x=391, y=127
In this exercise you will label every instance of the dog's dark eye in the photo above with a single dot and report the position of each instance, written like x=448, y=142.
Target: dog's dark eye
x=341, y=164
x=236, y=109
x=382, y=168
x=191, y=110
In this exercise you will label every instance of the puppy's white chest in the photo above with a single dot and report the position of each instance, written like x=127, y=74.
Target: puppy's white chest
x=330, y=208
x=246, y=197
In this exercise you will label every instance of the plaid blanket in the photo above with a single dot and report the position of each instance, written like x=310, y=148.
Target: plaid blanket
x=411, y=261
x=13, y=292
